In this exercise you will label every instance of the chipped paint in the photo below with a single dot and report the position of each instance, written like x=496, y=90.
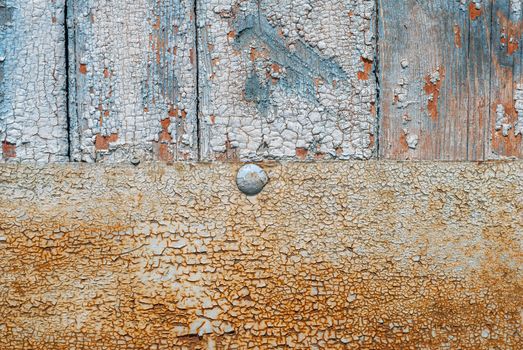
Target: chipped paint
x=277, y=77
x=135, y=68
x=475, y=9
x=432, y=88
x=518, y=105
x=334, y=255
x=457, y=36
x=302, y=65
x=33, y=118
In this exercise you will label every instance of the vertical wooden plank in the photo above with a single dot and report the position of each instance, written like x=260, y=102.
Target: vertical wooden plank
x=292, y=80
x=33, y=113
x=479, y=77
x=506, y=123
x=134, y=80
x=434, y=71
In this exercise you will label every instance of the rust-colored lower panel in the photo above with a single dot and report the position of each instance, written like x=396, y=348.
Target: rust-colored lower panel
x=341, y=255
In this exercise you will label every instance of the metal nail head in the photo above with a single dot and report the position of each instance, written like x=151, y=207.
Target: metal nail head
x=251, y=179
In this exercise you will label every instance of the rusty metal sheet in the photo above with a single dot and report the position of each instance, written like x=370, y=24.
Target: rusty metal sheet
x=133, y=87
x=337, y=255
x=291, y=80
x=33, y=99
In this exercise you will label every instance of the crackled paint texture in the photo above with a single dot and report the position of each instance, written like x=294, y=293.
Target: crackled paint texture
x=291, y=79
x=336, y=255
x=133, y=66
x=33, y=113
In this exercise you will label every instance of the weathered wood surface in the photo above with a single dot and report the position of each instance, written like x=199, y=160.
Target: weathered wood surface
x=428, y=82
x=286, y=80
x=450, y=79
x=133, y=65
x=291, y=80
x=329, y=256
x=33, y=102
x=505, y=130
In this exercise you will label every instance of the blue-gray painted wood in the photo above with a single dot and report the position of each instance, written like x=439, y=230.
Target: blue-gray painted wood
x=33, y=108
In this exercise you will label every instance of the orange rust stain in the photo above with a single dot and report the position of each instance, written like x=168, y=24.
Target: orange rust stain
x=83, y=68
x=474, y=12
x=253, y=54
x=230, y=153
x=372, y=140
x=302, y=153
x=192, y=56
x=433, y=89
x=512, y=47
x=404, y=146
x=286, y=280
x=156, y=24
x=457, y=36
x=213, y=119
x=173, y=111
x=318, y=82
x=8, y=149
x=510, y=145
x=107, y=74
x=511, y=32
x=367, y=66
x=53, y=19
x=373, y=110
x=319, y=155
x=396, y=98
x=102, y=142
x=164, y=142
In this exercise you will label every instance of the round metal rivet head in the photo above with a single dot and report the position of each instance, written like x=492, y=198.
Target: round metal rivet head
x=251, y=179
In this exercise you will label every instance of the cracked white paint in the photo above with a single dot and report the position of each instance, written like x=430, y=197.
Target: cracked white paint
x=33, y=117
x=515, y=8
x=286, y=80
x=518, y=99
x=328, y=252
x=502, y=120
x=134, y=65
x=412, y=140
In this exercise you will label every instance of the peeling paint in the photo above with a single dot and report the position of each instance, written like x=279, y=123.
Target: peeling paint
x=135, y=70
x=33, y=118
x=475, y=9
x=328, y=256
x=518, y=105
x=280, y=77
x=432, y=89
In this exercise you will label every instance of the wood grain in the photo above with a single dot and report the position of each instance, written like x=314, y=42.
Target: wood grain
x=33, y=101
x=505, y=129
x=133, y=69
x=428, y=78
